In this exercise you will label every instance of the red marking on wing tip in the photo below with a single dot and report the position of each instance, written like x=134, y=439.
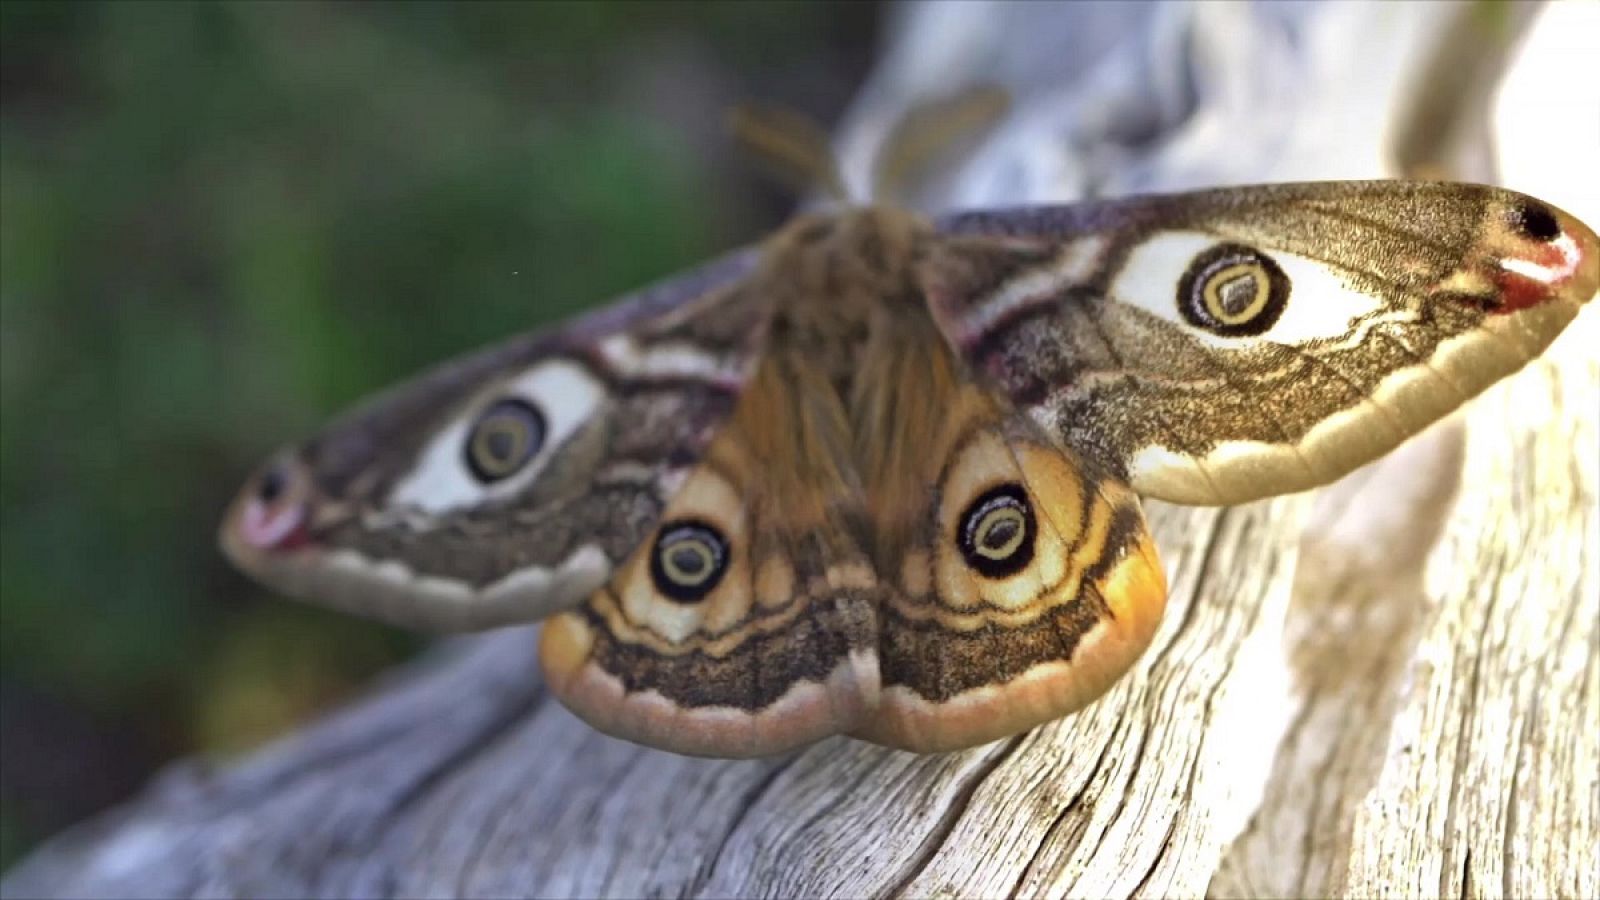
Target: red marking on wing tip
x=1536, y=273
x=296, y=539
x=1518, y=293
x=278, y=530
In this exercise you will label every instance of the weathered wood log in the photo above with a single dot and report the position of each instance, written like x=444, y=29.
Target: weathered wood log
x=1388, y=687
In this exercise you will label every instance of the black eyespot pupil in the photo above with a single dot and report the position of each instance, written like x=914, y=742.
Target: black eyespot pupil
x=688, y=560
x=1000, y=533
x=504, y=439
x=272, y=485
x=1536, y=221
x=996, y=533
x=500, y=443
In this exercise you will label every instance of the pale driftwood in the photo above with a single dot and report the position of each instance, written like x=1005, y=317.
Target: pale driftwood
x=1389, y=687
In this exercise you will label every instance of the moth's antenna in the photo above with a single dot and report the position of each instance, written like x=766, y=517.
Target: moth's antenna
x=793, y=147
x=926, y=135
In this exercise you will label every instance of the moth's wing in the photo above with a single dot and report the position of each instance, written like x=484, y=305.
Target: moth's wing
x=744, y=625
x=1222, y=346
x=1020, y=581
x=510, y=483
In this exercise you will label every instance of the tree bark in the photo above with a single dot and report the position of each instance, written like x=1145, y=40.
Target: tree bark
x=1391, y=686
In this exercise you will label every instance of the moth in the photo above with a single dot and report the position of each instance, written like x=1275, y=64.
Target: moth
x=880, y=474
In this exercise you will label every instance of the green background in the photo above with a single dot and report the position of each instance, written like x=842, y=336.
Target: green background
x=221, y=223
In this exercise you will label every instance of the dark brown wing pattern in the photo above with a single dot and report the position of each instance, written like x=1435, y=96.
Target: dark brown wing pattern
x=508, y=484
x=1226, y=345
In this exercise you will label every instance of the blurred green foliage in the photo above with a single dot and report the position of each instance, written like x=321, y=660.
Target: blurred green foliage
x=219, y=223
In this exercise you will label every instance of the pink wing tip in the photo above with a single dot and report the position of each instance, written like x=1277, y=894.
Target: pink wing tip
x=1544, y=254
x=270, y=515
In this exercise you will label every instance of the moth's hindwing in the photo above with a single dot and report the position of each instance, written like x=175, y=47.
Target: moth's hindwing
x=510, y=483
x=1222, y=346
x=746, y=623
x=1027, y=585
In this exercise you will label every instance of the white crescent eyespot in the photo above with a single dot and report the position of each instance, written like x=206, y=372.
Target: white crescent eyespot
x=563, y=392
x=1320, y=305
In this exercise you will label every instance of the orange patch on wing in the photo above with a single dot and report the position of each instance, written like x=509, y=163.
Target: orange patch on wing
x=1135, y=590
x=565, y=642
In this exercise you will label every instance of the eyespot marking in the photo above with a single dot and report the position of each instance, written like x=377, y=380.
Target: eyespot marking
x=508, y=434
x=564, y=394
x=1233, y=290
x=997, y=532
x=1535, y=220
x=688, y=560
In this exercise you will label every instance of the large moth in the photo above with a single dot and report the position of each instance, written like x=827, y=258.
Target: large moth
x=879, y=475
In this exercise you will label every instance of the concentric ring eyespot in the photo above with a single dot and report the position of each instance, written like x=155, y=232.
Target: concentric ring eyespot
x=997, y=531
x=504, y=438
x=688, y=560
x=1233, y=290
x=1535, y=220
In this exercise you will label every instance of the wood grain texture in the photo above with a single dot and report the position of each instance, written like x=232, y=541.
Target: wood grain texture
x=1443, y=644
x=1388, y=687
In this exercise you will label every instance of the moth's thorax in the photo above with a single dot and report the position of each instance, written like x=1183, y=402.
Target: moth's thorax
x=857, y=376
x=836, y=279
